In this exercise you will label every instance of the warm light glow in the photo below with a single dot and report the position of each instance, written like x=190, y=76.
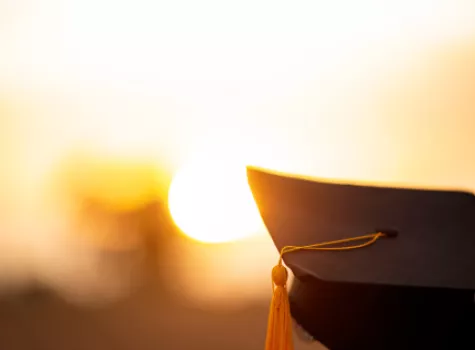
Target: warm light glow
x=211, y=202
x=117, y=184
x=360, y=90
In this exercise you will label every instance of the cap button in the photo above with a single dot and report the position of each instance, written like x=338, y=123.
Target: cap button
x=279, y=275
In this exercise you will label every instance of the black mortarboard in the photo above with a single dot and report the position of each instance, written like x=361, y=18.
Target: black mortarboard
x=414, y=290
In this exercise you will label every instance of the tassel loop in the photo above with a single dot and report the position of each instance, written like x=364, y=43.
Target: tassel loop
x=279, y=328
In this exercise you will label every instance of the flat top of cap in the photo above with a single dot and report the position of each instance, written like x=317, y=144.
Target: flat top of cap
x=435, y=246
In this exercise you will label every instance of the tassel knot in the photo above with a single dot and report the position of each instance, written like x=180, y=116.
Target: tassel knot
x=279, y=275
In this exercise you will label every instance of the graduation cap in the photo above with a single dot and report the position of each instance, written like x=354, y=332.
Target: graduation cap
x=374, y=267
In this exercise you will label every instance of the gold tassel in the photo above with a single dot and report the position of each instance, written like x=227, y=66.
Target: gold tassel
x=279, y=328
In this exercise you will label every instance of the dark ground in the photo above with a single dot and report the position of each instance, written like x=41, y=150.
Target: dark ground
x=146, y=320
x=153, y=317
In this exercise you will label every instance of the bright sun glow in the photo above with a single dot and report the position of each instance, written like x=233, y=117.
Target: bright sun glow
x=211, y=202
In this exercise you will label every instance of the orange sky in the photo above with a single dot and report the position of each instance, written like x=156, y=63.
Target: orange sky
x=349, y=89
x=320, y=85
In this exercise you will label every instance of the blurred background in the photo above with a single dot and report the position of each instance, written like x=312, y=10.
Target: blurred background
x=125, y=128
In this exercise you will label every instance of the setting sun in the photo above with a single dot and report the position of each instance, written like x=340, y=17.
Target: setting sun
x=210, y=200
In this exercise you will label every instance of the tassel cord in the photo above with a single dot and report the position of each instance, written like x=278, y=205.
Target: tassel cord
x=279, y=328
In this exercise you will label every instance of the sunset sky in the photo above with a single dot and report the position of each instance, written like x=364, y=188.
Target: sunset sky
x=356, y=90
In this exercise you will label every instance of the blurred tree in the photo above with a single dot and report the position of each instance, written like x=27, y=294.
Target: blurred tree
x=119, y=206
